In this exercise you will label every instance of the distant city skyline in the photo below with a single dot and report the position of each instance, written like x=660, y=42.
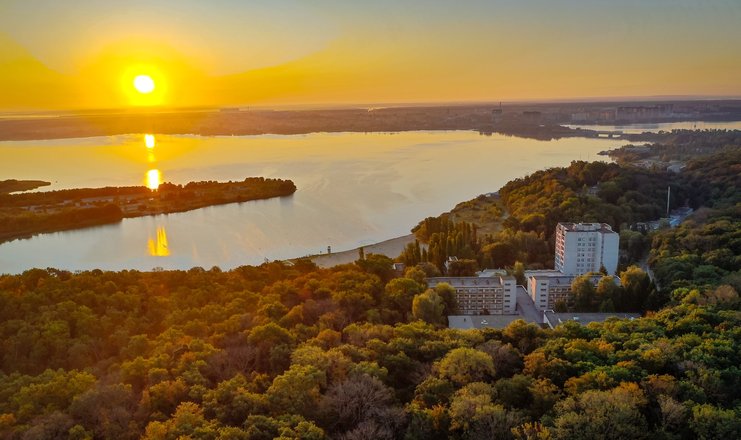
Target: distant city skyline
x=81, y=53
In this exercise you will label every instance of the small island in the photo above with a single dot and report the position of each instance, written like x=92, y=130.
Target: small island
x=13, y=185
x=27, y=214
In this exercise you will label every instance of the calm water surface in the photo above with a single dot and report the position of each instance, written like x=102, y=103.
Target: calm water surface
x=353, y=189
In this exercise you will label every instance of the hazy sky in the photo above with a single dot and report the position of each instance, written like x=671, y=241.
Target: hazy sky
x=83, y=53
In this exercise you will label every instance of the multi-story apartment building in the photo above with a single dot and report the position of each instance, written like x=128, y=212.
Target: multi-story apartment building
x=585, y=247
x=482, y=295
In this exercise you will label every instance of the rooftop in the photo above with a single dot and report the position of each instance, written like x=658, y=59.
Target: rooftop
x=566, y=279
x=588, y=227
x=470, y=281
x=542, y=272
x=553, y=319
x=468, y=322
x=487, y=273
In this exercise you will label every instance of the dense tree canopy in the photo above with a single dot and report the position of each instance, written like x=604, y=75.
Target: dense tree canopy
x=282, y=351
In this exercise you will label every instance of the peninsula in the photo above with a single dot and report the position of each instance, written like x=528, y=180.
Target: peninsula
x=27, y=214
x=13, y=185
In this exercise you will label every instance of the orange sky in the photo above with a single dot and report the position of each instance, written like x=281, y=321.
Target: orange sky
x=84, y=53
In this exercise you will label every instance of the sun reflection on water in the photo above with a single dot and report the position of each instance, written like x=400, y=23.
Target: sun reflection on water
x=158, y=246
x=149, y=140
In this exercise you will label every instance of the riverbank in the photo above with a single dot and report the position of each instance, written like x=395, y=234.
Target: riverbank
x=544, y=121
x=390, y=248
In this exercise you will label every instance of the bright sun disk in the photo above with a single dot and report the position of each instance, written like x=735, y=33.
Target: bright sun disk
x=144, y=84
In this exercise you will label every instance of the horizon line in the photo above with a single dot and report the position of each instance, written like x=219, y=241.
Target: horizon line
x=369, y=105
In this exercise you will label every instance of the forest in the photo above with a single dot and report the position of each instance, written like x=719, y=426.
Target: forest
x=291, y=351
x=352, y=352
x=679, y=145
x=705, y=250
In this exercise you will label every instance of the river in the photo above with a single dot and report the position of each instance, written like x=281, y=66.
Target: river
x=353, y=189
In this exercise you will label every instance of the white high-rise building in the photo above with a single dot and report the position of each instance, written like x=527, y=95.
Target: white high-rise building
x=585, y=247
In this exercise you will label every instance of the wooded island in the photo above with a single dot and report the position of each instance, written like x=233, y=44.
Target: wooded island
x=23, y=215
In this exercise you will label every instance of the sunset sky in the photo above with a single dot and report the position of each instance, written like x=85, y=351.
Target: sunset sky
x=76, y=54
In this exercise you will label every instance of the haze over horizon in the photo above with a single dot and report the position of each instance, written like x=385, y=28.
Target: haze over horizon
x=83, y=53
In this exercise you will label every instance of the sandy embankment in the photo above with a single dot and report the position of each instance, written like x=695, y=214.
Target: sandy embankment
x=391, y=248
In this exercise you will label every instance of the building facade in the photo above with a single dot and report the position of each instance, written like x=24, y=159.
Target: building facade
x=546, y=288
x=585, y=247
x=482, y=295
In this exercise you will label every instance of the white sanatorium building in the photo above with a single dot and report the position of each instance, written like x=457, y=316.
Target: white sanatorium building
x=485, y=295
x=584, y=247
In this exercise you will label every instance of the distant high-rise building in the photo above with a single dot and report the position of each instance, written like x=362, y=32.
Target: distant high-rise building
x=585, y=247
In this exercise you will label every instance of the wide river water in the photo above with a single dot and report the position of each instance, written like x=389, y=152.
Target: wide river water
x=354, y=189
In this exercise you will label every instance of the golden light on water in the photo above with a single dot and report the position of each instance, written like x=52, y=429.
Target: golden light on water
x=149, y=140
x=144, y=84
x=158, y=246
x=154, y=179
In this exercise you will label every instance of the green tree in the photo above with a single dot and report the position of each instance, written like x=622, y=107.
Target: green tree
x=297, y=391
x=607, y=293
x=636, y=287
x=610, y=415
x=518, y=270
x=584, y=293
x=429, y=307
x=379, y=265
x=710, y=422
x=187, y=422
x=464, y=365
x=463, y=268
x=416, y=273
x=399, y=294
x=448, y=295
x=475, y=416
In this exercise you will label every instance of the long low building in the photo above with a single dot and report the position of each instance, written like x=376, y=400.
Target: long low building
x=482, y=295
x=548, y=287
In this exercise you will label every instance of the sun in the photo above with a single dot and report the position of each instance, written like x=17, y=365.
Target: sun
x=144, y=84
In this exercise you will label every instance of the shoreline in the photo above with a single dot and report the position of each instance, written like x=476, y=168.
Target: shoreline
x=535, y=120
x=390, y=248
